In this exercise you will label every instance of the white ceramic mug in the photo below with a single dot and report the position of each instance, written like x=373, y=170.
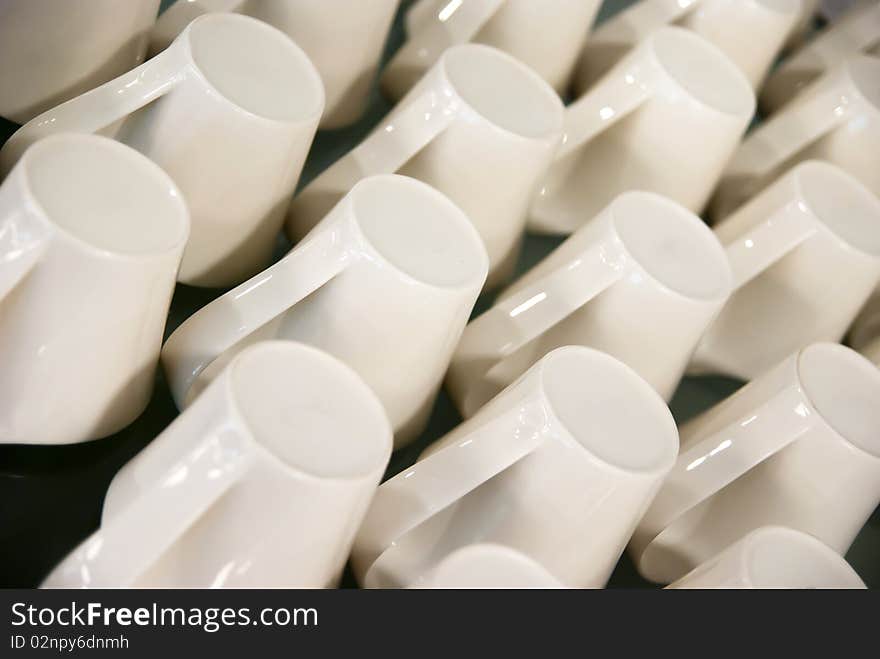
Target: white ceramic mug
x=643, y=264
x=546, y=36
x=836, y=119
x=229, y=111
x=750, y=32
x=91, y=236
x=798, y=447
x=385, y=282
x=487, y=565
x=665, y=119
x=480, y=127
x=773, y=557
x=343, y=38
x=51, y=51
x=262, y=482
x=805, y=254
x=560, y=466
x=858, y=31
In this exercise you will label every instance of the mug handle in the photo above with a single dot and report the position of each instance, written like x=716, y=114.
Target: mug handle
x=173, y=20
x=708, y=465
x=405, y=132
x=221, y=324
x=753, y=252
x=478, y=453
x=521, y=317
x=459, y=25
x=131, y=540
x=102, y=106
x=24, y=237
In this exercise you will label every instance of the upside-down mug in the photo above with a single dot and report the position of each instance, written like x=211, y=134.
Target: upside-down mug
x=487, y=565
x=805, y=255
x=546, y=36
x=91, y=235
x=665, y=119
x=773, y=557
x=262, y=482
x=229, y=111
x=837, y=119
x=797, y=447
x=858, y=31
x=51, y=51
x=480, y=127
x=750, y=32
x=559, y=466
x=643, y=263
x=385, y=282
x=343, y=38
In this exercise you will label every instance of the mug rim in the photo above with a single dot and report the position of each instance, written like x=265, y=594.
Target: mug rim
x=121, y=151
x=303, y=62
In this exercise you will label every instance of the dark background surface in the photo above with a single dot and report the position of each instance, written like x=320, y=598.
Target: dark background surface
x=51, y=496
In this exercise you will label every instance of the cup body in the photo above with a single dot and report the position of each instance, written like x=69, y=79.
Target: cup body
x=509, y=25
x=836, y=119
x=268, y=482
x=480, y=127
x=656, y=122
x=385, y=283
x=560, y=467
x=858, y=31
x=229, y=111
x=643, y=261
x=52, y=51
x=796, y=447
x=807, y=282
x=98, y=230
x=487, y=565
x=320, y=28
x=773, y=557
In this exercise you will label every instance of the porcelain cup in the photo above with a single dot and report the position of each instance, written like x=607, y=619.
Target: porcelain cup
x=665, y=119
x=805, y=255
x=385, y=282
x=836, y=119
x=487, y=565
x=643, y=262
x=750, y=32
x=797, y=447
x=480, y=127
x=51, y=51
x=229, y=111
x=560, y=466
x=546, y=36
x=260, y=483
x=773, y=557
x=91, y=236
x=343, y=38
x=858, y=31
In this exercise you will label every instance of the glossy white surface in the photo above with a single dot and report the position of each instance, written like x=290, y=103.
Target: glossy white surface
x=750, y=32
x=229, y=111
x=51, y=51
x=258, y=484
x=805, y=254
x=858, y=31
x=545, y=35
x=797, y=447
x=773, y=557
x=560, y=466
x=343, y=39
x=480, y=127
x=487, y=565
x=837, y=119
x=385, y=282
x=643, y=262
x=665, y=119
x=91, y=236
